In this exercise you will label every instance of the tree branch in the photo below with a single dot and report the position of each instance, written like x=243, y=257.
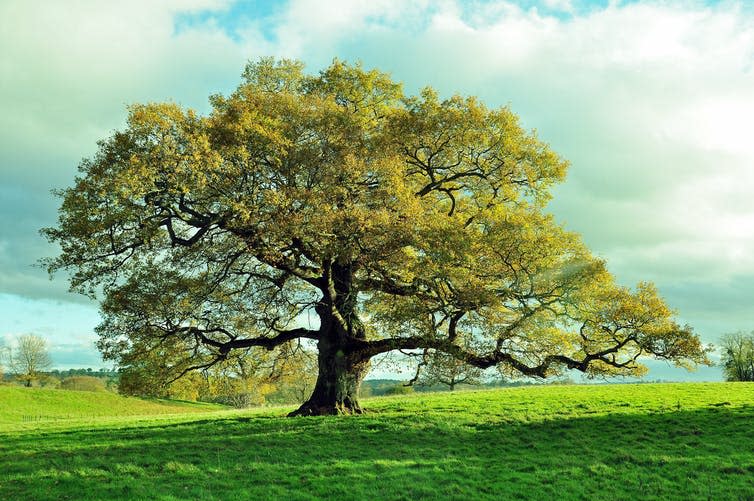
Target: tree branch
x=372, y=348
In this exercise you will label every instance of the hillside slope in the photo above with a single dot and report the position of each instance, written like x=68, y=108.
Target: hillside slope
x=28, y=405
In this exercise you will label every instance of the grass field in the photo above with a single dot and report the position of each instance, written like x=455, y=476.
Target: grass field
x=668, y=441
x=34, y=407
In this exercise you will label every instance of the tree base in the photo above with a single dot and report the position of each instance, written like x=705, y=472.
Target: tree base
x=327, y=409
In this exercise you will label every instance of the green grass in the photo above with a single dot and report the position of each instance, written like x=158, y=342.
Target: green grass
x=670, y=441
x=35, y=407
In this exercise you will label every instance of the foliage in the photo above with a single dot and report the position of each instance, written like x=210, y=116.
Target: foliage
x=108, y=377
x=83, y=383
x=669, y=441
x=44, y=380
x=438, y=367
x=238, y=383
x=398, y=222
x=30, y=358
x=378, y=387
x=98, y=373
x=399, y=389
x=294, y=375
x=738, y=356
x=143, y=380
x=245, y=378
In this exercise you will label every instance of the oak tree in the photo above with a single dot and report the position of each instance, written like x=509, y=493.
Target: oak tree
x=336, y=209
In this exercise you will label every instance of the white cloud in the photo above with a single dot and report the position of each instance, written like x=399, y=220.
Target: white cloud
x=70, y=67
x=68, y=70
x=559, y=5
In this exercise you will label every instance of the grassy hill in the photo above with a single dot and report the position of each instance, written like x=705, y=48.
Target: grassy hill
x=31, y=407
x=668, y=441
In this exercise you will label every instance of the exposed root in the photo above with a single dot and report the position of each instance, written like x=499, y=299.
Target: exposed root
x=335, y=409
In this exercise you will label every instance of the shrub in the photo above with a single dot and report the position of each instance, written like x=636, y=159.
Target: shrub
x=399, y=389
x=83, y=383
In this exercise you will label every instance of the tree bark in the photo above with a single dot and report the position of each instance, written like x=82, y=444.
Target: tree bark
x=338, y=382
x=341, y=366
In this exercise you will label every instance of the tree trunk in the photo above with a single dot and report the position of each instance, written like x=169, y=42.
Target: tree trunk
x=338, y=382
x=341, y=368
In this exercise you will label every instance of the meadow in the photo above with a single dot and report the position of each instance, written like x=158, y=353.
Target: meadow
x=35, y=407
x=648, y=441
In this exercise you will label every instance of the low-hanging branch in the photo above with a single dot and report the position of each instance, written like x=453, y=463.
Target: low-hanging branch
x=382, y=217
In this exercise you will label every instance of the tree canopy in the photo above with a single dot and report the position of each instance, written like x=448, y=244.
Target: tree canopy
x=335, y=208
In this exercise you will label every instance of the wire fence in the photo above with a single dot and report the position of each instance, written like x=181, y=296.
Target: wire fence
x=35, y=418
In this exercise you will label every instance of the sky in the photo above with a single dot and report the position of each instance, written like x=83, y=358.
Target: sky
x=652, y=102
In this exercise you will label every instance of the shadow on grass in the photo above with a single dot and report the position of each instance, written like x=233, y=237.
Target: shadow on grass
x=699, y=454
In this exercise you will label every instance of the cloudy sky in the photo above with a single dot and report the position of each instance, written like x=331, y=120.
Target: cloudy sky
x=651, y=101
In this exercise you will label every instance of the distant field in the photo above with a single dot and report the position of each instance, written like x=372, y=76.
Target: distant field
x=667, y=441
x=35, y=407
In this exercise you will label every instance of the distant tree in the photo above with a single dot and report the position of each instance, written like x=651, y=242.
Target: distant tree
x=399, y=389
x=294, y=374
x=439, y=367
x=83, y=383
x=379, y=387
x=399, y=222
x=30, y=358
x=3, y=355
x=365, y=391
x=47, y=380
x=738, y=356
